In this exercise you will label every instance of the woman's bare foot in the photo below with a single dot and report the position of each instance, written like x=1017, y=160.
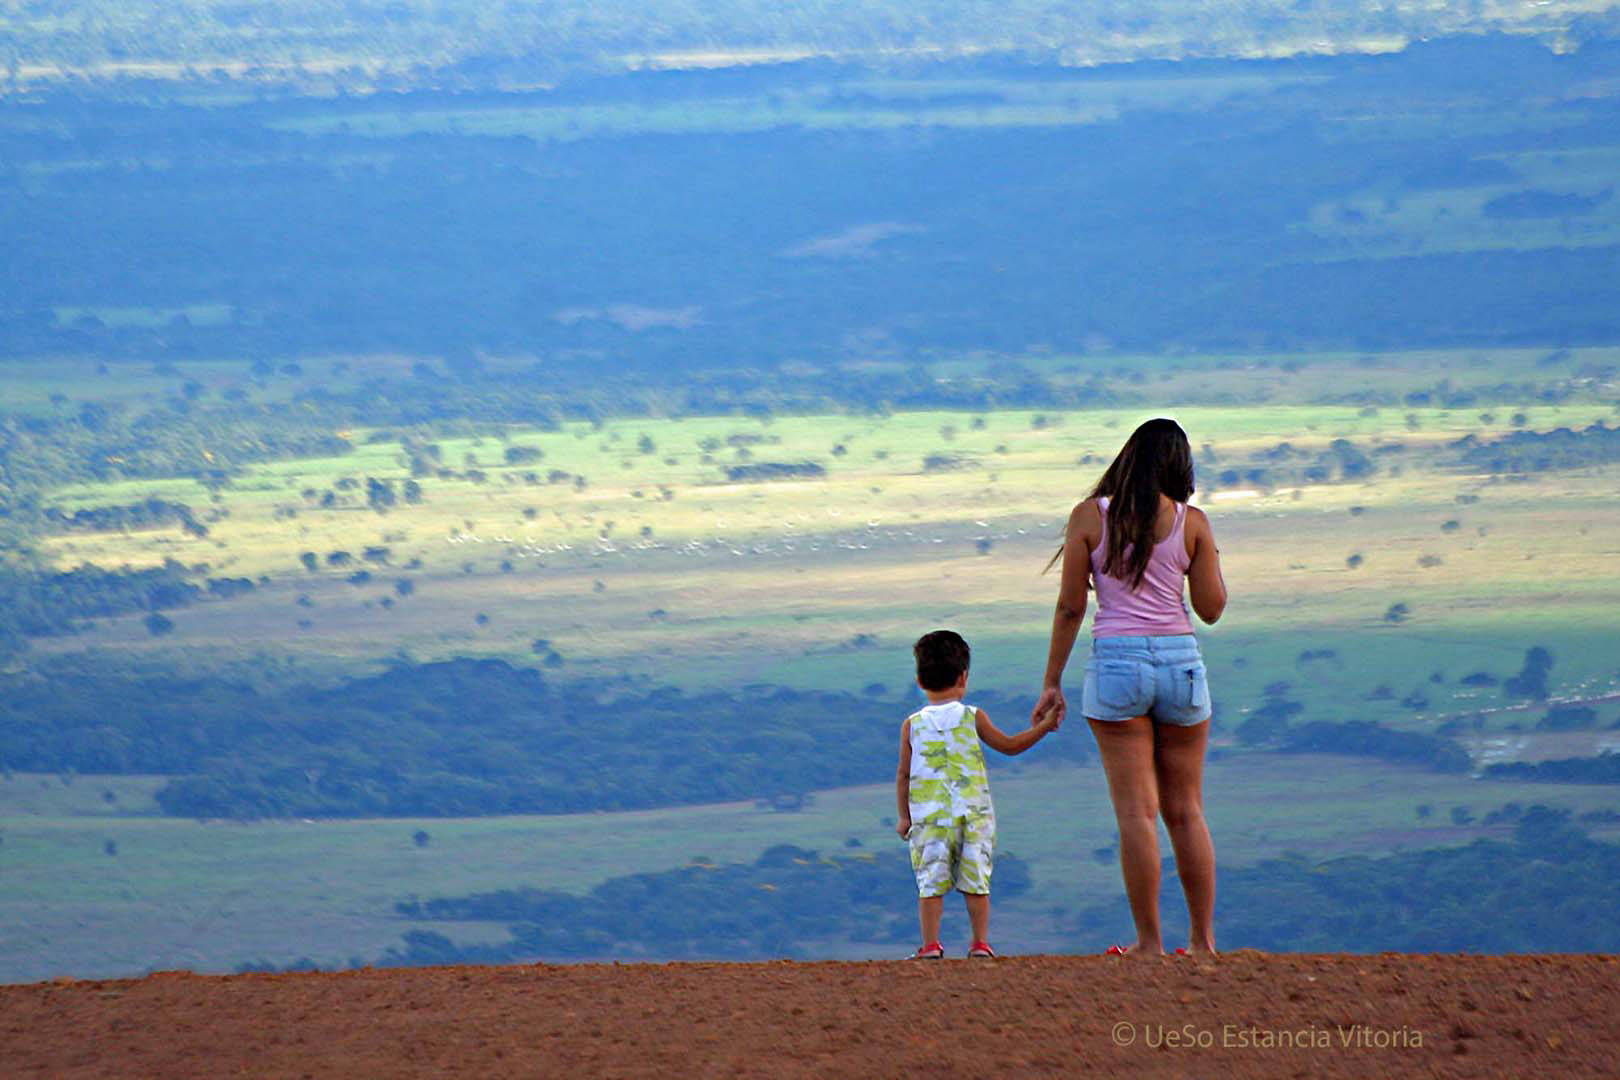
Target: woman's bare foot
x=1137, y=951
x=1203, y=949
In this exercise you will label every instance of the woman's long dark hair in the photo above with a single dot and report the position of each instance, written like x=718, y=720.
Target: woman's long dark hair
x=1156, y=460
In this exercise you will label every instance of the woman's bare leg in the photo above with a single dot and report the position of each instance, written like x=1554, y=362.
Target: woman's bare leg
x=1178, y=762
x=1127, y=757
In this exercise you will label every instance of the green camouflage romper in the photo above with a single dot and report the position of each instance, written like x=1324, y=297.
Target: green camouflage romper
x=953, y=824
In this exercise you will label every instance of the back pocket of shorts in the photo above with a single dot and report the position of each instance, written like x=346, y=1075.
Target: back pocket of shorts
x=1192, y=686
x=1121, y=685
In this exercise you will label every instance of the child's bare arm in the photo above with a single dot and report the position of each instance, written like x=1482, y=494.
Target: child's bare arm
x=1000, y=741
x=902, y=782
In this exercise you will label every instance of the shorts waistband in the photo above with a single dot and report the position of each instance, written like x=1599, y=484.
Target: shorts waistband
x=1155, y=644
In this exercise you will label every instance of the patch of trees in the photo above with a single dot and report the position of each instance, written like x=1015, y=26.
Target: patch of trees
x=785, y=900
x=44, y=604
x=1533, y=451
x=1287, y=465
x=775, y=470
x=1520, y=452
x=104, y=442
x=1268, y=726
x=462, y=737
x=1603, y=769
x=522, y=455
x=1365, y=738
x=1536, y=203
x=1267, y=722
x=1568, y=718
x=1531, y=680
x=380, y=494
x=226, y=588
x=1549, y=888
x=153, y=513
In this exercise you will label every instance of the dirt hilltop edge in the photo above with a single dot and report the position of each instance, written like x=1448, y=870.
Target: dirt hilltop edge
x=1250, y=1014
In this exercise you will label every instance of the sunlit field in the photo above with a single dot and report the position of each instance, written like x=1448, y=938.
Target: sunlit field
x=643, y=544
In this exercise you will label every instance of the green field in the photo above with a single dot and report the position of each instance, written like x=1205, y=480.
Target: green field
x=1371, y=224
x=640, y=551
x=877, y=104
x=661, y=566
x=210, y=895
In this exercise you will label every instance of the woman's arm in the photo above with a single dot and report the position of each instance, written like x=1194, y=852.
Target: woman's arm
x=1205, y=583
x=1081, y=536
x=1002, y=743
x=902, y=782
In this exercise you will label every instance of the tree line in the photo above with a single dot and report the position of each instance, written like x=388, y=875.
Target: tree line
x=46, y=604
x=1547, y=888
x=787, y=900
x=455, y=738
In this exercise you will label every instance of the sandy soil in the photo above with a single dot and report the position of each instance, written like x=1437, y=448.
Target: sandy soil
x=1250, y=1015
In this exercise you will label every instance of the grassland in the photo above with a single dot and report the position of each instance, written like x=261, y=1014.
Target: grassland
x=1374, y=224
x=642, y=552
x=209, y=895
x=660, y=566
x=875, y=104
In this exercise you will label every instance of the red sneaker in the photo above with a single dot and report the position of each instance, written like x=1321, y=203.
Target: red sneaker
x=982, y=948
x=932, y=951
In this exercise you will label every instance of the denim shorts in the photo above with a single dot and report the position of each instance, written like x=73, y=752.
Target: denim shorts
x=1161, y=677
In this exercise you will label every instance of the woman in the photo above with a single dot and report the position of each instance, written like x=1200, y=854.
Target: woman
x=1146, y=695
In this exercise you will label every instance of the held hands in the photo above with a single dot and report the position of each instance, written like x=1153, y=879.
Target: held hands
x=1049, y=710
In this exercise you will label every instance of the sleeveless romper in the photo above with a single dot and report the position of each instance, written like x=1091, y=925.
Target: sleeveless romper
x=953, y=822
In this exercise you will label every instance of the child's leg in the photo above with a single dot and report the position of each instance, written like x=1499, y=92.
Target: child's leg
x=930, y=910
x=978, y=909
x=931, y=861
x=973, y=870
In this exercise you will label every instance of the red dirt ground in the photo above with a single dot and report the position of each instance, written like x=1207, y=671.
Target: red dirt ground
x=1299, y=1016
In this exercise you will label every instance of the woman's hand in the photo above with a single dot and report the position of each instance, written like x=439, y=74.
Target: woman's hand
x=1051, y=699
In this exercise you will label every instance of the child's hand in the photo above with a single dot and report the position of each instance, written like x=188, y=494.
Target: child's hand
x=903, y=826
x=1050, y=703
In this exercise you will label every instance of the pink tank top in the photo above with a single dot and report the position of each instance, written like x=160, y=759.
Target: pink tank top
x=1157, y=606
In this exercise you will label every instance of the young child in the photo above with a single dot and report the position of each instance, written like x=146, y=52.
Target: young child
x=943, y=794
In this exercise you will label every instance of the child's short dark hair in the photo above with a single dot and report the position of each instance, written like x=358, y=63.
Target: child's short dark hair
x=942, y=657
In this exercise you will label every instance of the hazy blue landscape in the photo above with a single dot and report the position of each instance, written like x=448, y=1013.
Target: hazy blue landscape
x=469, y=481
